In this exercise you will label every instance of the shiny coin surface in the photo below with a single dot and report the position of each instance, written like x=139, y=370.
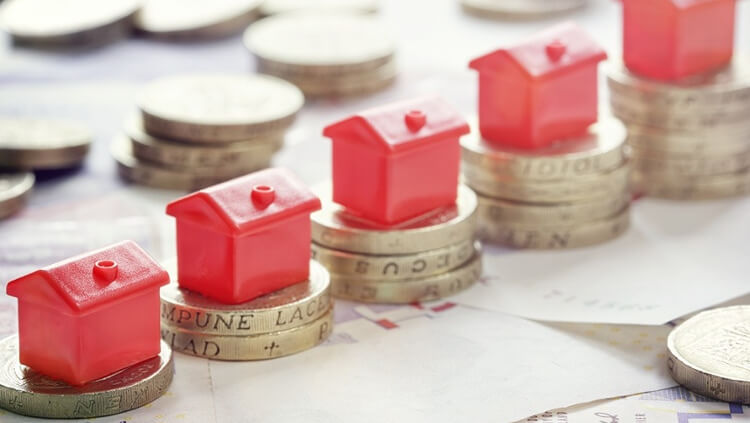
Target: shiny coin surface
x=195, y=18
x=601, y=150
x=652, y=161
x=27, y=143
x=519, y=8
x=680, y=187
x=334, y=228
x=551, y=237
x=409, y=291
x=708, y=353
x=14, y=190
x=273, y=7
x=218, y=108
x=340, y=85
x=701, y=143
x=254, y=347
x=287, y=308
x=26, y=392
x=653, y=116
x=394, y=267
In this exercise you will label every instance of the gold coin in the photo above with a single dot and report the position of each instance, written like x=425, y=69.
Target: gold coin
x=26, y=392
x=601, y=150
x=335, y=228
x=341, y=85
x=651, y=161
x=556, y=236
x=274, y=7
x=28, y=143
x=195, y=19
x=649, y=116
x=394, y=267
x=14, y=191
x=679, y=187
x=253, y=347
x=412, y=290
x=519, y=9
x=287, y=308
x=720, y=141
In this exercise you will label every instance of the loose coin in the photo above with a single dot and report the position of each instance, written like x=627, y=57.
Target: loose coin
x=209, y=108
x=254, y=347
x=680, y=187
x=409, y=291
x=341, y=85
x=335, y=228
x=394, y=267
x=603, y=149
x=191, y=19
x=27, y=143
x=26, y=392
x=708, y=354
x=519, y=8
x=273, y=7
x=14, y=190
x=287, y=308
x=555, y=236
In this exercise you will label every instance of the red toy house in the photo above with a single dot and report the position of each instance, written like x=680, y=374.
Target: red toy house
x=672, y=39
x=246, y=237
x=539, y=91
x=92, y=315
x=397, y=161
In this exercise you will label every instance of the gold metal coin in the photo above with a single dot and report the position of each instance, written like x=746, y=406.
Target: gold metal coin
x=720, y=141
x=195, y=19
x=274, y=7
x=648, y=115
x=28, y=143
x=394, y=267
x=341, y=85
x=518, y=9
x=337, y=229
x=430, y=288
x=287, y=308
x=26, y=392
x=14, y=191
x=254, y=347
x=680, y=187
x=651, y=161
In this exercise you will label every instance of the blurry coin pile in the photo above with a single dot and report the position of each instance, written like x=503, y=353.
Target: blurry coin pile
x=281, y=323
x=195, y=131
x=325, y=55
x=570, y=194
x=427, y=258
x=690, y=140
x=519, y=8
x=195, y=19
x=274, y=7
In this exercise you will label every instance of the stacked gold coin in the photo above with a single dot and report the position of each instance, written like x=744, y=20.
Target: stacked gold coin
x=195, y=131
x=426, y=258
x=570, y=194
x=690, y=140
x=281, y=323
x=325, y=55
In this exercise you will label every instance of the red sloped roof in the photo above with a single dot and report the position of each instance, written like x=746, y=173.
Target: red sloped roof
x=230, y=206
x=536, y=56
x=389, y=127
x=76, y=282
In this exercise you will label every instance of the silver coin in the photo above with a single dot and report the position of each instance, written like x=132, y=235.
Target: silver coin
x=195, y=18
x=273, y=7
x=14, y=190
x=26, y=392
x=28, y=143
x=710, y=354
x=519, y=8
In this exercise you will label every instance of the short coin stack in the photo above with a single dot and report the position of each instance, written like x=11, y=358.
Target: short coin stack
x=198, y=130
x=195, y=19
x=274, y=7
x=519, y=9
x=284, y=322
x=690, y=140
x=427, y=258
x=571, y=194
x=325, y=55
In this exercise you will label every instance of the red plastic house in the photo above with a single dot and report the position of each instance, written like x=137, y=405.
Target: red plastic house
x=397, y=161
x=539, y=91
x=246, y=237
x=673, y=39
x=92, y=315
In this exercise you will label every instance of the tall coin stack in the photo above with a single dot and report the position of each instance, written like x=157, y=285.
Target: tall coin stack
x=569, y=194
x=325, y=55
x=690, y=140
x=198, y=130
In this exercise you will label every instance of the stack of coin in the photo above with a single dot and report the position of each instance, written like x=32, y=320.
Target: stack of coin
x=14, y=190
x=570, y=194
x=427, y=258
x=690, y=140
x=519, y=9
x=274, y=7
x=198, y=130
x=195, y=19
x=284, y=322
x=325, y=55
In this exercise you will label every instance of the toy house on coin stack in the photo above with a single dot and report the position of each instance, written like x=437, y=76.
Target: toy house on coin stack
x=246, y=237
x=81, y=319
x=539, y=91
x=398, y=161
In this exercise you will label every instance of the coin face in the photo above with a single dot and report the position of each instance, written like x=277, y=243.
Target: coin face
x=14, y=188
x=29, y=143
x=519, y=8
x=26, y=392
x=273, y=7
x=710, y=354
x=173, y=16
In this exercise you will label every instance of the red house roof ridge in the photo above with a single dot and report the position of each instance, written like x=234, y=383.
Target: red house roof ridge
x=405, y=124
x=88, y=280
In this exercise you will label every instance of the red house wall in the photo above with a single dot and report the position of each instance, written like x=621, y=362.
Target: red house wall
x=359, y=172
x=504, y=100
x=205, y=260
x=707, y=34
x=649, y=42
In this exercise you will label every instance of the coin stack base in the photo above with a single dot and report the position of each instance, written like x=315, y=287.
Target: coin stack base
x=519, y=9
x=26, y=392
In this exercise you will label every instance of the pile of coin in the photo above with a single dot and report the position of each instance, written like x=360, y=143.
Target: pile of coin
x=570, y=194
x=426, y=258
x=690, y=140
x=195, y=131
x=519, y=9
x=274, y=7
x=195, y=19
x=284, y=322
x=325, y=55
